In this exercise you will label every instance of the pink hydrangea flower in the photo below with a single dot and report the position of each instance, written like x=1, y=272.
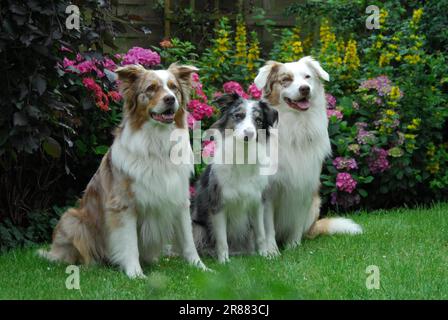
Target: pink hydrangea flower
x=254, y=92
x=199, y=110
x=197, y=86
x=378, y=161
x=334, y=112
x=86, y=66
x=345, y=182
x=109, y=64
x=68, y=63
x=342, y=163
x=331, y=101
x=101, y=99
x=145, y=57
x=217, y=94
x=235, y=87
x=114, y=95
x=90, y=84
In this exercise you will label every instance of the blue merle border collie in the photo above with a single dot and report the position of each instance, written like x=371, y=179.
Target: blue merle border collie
x=227, y=207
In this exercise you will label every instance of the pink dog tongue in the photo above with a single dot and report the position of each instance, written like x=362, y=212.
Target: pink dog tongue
x=163, y=117
x=303, y=104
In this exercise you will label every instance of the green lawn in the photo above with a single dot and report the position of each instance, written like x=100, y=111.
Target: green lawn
x=410, y=248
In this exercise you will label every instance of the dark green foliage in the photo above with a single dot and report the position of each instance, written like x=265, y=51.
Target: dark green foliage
x=39, y=112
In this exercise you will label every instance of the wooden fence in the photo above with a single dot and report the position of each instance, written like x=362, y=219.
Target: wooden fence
x=150, y=21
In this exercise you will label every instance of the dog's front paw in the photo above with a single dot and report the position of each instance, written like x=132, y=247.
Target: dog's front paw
x=223, y=257
x=292, y=244
x=134, y=272
x=199, y=264
x=272, y=250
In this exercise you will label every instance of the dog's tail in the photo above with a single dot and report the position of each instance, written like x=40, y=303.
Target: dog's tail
x=73, y=241
x=333, y=226
x=329, y=225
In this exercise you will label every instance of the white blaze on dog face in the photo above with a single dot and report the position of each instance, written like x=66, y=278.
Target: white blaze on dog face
x=155, y=96
x=245, y=128
x=293, y=83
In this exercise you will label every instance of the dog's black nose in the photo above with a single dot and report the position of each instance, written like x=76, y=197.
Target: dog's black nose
x=304, y=90
x=169, y=100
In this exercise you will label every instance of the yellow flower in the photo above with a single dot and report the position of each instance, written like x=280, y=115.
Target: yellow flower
x=390, y=112
x=253, y=53
x=416, y=16
x=241, y=43
x=431, y=150
x=383, y=16
x=351, y=58
x=326, y=36
x=433, y=167
x=412, y=58
x=395, y=93
x=393, y=46
x=385, y=58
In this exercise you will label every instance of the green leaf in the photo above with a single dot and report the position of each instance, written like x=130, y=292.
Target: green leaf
x=363, y=193
x=52, y=147
x=101, y=150
x=328, y=183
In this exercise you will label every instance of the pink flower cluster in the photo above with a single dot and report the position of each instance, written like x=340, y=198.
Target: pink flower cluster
x=82, y=66
x=331, y=101
x=345, y=182
x=197, y=86
x=199, y=109
x=101, y=99
x=334, y=112
x=342, y=163
x=378, y=161
x=381, y=84
x=254, y=92
x=364, y=136
x=145, y=57
x=235, y=87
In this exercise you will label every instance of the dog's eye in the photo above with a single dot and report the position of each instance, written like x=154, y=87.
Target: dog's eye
x=307, y=76
x=172, y=86
x=259, y=122
x=151, y=87
x=238, y=116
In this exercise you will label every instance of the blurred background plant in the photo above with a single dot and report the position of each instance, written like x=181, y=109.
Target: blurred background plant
x=387, y=98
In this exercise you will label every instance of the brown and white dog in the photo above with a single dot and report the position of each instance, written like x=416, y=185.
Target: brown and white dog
x=292, y=200
x=138, y=200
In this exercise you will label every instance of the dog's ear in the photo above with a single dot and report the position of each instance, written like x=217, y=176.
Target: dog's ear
x=316, y=67
x=226, y=100
x=266, y=76
x=129, y=73
x=269, y=113
x=183, y=74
